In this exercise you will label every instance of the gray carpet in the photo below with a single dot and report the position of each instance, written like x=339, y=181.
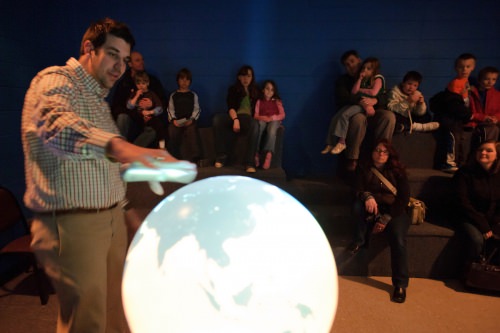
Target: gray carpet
x=364, y=306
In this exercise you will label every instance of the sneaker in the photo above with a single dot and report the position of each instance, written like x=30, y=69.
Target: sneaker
x=267, y=161
x=251, y=169
x=448, y=168
x=327, y=149
x=426, y=127
x=257, y=160
x=339, y=147
x=219, y=165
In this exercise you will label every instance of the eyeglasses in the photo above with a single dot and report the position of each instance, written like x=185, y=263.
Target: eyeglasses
x=381, y=151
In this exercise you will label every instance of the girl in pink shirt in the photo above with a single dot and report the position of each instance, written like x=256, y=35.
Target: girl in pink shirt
x=269, y=113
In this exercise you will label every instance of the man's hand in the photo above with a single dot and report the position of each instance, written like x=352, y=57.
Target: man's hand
x=146, y=103
x=368, y=101
x=125, y=152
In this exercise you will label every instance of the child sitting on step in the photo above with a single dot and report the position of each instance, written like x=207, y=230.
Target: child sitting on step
x=409, y=106
x=369, y=85
x=269, y=113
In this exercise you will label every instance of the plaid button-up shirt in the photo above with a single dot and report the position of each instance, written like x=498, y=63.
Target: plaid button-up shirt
x=66, y=124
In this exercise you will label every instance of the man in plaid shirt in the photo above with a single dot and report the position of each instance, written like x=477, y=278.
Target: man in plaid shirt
x=73, y=152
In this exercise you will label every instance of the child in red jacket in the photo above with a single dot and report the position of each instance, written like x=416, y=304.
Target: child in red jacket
x=485, y=107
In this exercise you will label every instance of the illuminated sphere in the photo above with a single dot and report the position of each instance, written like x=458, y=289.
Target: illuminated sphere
x=230, y=254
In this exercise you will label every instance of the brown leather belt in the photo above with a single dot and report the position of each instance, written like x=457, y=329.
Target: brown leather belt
x=78, y=211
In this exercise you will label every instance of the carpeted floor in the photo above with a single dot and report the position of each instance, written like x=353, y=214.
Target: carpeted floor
x=364, y=306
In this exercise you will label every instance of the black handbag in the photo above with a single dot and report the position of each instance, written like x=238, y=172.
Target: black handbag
x=482, y=274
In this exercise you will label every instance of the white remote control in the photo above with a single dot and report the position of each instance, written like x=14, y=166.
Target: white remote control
x=178, y=172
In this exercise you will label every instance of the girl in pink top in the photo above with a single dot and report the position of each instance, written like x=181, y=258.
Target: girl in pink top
x=269, y=113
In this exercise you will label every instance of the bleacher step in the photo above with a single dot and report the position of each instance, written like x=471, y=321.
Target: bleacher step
x=432, y=249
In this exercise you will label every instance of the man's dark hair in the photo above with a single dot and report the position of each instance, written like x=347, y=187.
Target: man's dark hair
x=97, y=32
x=347, y=54
x=414, y=76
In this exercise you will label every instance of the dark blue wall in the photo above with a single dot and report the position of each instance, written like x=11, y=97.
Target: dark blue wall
x=295, y=42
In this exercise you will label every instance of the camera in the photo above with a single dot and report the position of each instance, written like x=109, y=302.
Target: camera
x=378, y=218
x=373, y=218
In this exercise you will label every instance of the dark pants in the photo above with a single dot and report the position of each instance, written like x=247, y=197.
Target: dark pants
x=380, y=126
x=175, y=139
x=449, y=142
x=477, y=245
x=475, y=241
x=135, y=130
x=396, y=232
x=225, y=136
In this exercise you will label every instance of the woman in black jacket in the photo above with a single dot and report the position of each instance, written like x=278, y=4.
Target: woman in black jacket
x=477, y=186
x=241, y=99
x=378, y=208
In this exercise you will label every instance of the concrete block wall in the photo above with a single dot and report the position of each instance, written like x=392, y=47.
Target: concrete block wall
x=295, y=42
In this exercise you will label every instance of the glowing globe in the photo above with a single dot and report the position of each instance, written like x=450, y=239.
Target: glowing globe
x=230, y=254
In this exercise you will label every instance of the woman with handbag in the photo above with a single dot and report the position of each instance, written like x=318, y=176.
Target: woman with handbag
x=382, y=195
x=477, y=186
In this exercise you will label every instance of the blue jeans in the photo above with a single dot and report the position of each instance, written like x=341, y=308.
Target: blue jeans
x=271, y=128
x=396, y=232
x=339, y=124
x=475, y=241
x=381, y=125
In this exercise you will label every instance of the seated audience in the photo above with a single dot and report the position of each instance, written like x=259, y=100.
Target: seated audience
x=130, y=123
x=382, y=123
x=408, y=104
x=269, y=113
x=151, y=127
x=183, y=112
x=378, y=208
x=477, y=187
x=239, y=120
x=370, y=84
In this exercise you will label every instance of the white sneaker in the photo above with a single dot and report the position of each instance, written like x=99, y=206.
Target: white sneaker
x=339, y=147
x=425, y=127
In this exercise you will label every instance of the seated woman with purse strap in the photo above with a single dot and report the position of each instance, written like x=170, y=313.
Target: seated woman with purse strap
x=380, y=208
